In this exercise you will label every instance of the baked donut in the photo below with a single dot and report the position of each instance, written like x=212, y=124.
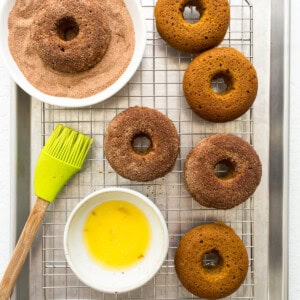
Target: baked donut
x=228, y=268
x=238, y=74
x=206, y=33
x=242, y=171
x=71, y=36
x=158, y=159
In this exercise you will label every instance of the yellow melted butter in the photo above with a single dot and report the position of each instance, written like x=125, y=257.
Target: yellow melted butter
x=117, y=234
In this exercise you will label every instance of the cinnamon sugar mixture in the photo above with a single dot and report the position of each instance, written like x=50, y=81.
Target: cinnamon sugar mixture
x=83, y=84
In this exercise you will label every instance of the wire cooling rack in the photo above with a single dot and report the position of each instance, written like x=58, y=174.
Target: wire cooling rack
x=157, y=84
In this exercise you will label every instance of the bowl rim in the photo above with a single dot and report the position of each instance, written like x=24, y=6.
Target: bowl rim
x=157, y=212
x=22, y=81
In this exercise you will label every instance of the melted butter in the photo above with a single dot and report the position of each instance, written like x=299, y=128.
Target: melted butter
x=117, y=234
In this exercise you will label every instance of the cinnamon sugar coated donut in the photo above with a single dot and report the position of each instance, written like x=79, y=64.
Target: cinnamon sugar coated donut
x=158, y=159
x=219, y=278
x=241, y=165
x=71, y=36
x=206, y=33
x=238, y=74
x=74, y=42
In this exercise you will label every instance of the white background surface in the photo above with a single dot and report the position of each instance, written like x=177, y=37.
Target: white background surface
x=5, y=228
x=294, y=170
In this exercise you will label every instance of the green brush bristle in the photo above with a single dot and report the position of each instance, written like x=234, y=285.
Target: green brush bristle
x=68, y=146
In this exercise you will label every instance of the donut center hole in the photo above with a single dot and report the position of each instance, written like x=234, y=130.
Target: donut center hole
x=212, y=259
x=67, y=28
x=141, y=143
x=221, y=83
x=192, y=12
x=224, y=169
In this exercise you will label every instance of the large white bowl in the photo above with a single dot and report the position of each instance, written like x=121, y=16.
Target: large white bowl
x=5, y=55
x=109, y=280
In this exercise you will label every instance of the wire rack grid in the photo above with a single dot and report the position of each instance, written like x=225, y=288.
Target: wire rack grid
x=157, y=84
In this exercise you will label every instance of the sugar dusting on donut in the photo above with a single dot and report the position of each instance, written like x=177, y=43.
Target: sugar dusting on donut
x=72, y=36
x=76, y=85
x=222, y=192
x=158, y=160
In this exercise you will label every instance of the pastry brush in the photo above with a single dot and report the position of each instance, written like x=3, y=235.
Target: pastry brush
x=62, y=156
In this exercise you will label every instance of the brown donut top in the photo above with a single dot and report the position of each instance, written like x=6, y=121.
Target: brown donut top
x=158, y=160
x=237, y=72
x=243, y=176
x=71, y=36
x=214, y=282
x=196, y=37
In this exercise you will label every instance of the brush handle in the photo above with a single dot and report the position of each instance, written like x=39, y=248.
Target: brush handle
x=22, y=248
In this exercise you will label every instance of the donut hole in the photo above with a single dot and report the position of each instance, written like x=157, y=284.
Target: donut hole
x=212, y=260
x=67, y=28
x=192, y=12
x=224, y=169
x=221, y=83
x=141, y=143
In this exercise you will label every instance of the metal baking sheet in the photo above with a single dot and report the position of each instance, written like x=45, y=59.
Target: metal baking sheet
x=157, y=84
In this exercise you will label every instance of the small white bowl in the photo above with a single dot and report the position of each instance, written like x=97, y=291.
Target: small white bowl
x=136, y=13
x=110, y=280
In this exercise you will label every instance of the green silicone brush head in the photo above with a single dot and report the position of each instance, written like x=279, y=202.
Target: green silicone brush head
x=68, y=146
x=62, y=156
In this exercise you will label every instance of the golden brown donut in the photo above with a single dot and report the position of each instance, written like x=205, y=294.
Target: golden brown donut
x=207, y=33
x=217, y=280
x=135, y=122
x=240, y=181
x=237, y=72
x=71, y=36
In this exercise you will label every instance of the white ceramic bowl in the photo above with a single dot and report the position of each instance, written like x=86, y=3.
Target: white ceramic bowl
x=109, y=280
x=140, y=43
